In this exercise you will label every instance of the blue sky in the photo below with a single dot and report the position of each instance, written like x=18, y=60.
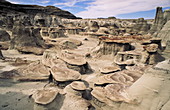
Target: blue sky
x=104, y=8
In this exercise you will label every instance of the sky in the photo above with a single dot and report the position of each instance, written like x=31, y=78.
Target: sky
x=125, y=9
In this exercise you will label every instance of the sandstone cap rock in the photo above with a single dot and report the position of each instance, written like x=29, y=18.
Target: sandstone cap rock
x=74, y=59
x=109, y=69
x=50, y=59
x=151, y=47
x=78, y=85
x=111, y=93
x=114, y=78
x=74, y=102
x=44, y=96
x=64, y=74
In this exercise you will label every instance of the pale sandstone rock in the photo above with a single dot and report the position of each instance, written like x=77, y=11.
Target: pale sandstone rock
x=44, y=96
x=64, y=74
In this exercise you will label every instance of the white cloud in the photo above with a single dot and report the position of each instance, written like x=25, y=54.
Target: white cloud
x=14, y=2
x=70, y=3
x=44, y=1
x=106, y=8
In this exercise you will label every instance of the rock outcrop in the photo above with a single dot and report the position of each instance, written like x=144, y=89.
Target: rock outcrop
x=4, y=36
x=150, y=91
x=70, y=44
x=27, y=40
x=108, y=46
x=141, y=27
x=161, y=19
x=56, y=33
x=33, y=10
x=164, y=33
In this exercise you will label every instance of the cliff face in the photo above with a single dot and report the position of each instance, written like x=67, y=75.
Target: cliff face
x=9, y=8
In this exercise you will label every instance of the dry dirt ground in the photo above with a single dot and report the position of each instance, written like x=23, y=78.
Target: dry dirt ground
x=15, y=95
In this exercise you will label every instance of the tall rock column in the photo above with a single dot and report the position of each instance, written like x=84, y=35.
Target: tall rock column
x=159, y=21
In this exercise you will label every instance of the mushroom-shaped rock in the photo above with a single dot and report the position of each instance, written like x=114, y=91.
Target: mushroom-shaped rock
x=64, y=74
x=151, y=48
x=109, y=46
x=78, y=85
x=127, y=57
x=44, y=96
x=76, y=62
x=109, y=69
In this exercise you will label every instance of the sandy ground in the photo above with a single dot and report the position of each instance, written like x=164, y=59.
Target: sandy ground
x=16, y=95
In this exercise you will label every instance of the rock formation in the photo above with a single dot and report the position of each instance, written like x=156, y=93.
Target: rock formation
x=153, y=85
x=160, y=19
x=93, y=26
x=56, y=33
x=70, y=44
x=33, y=10
x=82, y=64
x=110, y=46
x=164, y=33
x=28, y=40
x=141, y=26
x=4, y=36
x=1, y=56
x=44, y=96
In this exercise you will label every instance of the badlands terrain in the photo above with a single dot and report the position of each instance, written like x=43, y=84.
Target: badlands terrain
x=53, y=60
